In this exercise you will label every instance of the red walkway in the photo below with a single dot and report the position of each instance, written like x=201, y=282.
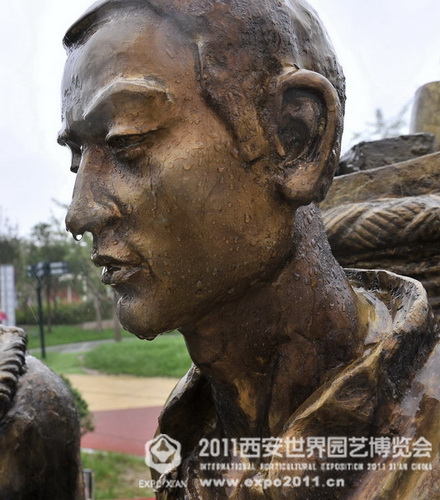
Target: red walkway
x=122, y=431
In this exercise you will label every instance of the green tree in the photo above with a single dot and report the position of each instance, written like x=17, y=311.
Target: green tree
x=88, y=276
x=51, y=243
x=47, y=245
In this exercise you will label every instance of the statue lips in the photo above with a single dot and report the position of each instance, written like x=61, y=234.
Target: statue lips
x=116, y=272
x=114, y=275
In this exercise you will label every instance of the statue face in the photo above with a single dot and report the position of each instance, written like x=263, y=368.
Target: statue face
x=180, y=224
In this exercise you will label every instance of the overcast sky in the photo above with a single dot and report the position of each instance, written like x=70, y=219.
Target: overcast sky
x=388, y=48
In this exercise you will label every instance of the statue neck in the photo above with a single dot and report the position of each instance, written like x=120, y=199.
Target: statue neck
x=268, y=350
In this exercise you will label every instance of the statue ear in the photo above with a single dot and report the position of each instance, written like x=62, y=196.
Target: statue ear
x=309, y=125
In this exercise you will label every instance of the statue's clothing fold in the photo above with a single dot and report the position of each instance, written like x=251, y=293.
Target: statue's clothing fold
x=391, y=392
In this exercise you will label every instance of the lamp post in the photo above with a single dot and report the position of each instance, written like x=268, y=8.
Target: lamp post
x=39, y=272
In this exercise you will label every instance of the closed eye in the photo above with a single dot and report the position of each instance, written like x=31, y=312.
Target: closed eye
x=119, y=143
x=130, y=147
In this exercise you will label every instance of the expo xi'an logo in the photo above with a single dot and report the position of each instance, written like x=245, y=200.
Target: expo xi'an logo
x=163, y=453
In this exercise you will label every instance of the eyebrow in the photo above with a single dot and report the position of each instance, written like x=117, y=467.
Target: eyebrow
x=140, y=87
x=119, y=87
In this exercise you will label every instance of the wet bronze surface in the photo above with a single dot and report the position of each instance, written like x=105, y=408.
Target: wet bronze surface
x=203, y=133
x=39, y=428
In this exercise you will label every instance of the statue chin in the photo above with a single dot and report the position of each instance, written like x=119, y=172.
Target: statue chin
x=134, y=318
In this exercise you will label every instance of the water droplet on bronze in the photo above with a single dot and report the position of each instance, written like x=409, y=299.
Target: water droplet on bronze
x=234, y=153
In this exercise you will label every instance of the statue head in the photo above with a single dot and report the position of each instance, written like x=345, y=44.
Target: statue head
x=197, y=130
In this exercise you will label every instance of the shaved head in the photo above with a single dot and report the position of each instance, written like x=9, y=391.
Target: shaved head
x=239, y=47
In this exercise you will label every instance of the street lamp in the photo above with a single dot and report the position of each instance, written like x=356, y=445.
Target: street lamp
x=39, y=272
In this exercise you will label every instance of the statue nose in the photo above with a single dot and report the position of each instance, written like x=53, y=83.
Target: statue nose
x=90, y=212
x=93, y=205
x=85, y=216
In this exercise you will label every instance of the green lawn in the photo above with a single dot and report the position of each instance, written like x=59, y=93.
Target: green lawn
x=117, y=475
x=64, y=362
x=68, y=334
x=164, y=357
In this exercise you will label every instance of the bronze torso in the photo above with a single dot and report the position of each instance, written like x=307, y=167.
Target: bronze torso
x=391, y=391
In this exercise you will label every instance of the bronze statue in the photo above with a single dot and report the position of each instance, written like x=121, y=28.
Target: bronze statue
x=39, y=428
x=203, y=132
